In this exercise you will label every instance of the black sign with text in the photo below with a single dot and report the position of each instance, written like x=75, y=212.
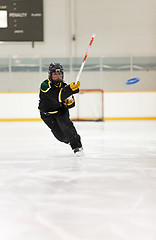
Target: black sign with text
x=21, y=20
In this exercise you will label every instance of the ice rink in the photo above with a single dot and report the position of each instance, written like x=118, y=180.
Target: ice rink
x=47, y=193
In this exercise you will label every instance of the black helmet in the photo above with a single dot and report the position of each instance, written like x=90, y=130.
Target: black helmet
x=55, y=67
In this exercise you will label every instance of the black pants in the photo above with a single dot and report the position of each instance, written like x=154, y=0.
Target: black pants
x=63, y=128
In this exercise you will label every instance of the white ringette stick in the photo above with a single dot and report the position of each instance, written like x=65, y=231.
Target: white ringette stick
x=85, y=57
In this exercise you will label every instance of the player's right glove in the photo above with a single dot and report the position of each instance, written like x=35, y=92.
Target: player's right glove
x=74, y=86
x=69, y=102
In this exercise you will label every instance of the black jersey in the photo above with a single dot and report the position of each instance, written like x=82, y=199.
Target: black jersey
x=52, y=96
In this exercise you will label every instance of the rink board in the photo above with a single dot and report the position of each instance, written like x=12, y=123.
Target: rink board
x=91, y=105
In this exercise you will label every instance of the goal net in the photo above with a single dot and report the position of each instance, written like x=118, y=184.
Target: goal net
x=88, y=105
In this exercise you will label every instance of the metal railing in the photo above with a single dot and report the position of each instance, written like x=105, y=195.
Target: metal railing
x=36, y=64
x=12, y=68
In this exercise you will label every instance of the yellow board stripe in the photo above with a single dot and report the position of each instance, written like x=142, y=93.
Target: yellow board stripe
x=75, y=119
x=131, y=118
x=19, y=119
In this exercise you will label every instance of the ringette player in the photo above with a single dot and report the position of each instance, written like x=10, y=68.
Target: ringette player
x=56, y=97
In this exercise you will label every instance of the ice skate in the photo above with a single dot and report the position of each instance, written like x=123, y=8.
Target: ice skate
x=79, y=152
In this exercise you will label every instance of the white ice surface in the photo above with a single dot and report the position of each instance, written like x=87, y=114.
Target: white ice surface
x=46, y=193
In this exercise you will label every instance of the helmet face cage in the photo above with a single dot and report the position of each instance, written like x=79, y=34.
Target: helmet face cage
x=54, y=68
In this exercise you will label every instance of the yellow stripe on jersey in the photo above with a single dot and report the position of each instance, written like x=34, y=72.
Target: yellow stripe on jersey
x=59, y=96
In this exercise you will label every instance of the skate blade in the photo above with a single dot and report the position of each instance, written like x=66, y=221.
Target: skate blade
x=79, y=154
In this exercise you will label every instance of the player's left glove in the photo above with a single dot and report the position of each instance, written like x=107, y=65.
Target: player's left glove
x=69, y=102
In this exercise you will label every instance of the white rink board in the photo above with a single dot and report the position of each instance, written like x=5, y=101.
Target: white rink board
x=129, y=104
x=19, y=105
x=88, y=105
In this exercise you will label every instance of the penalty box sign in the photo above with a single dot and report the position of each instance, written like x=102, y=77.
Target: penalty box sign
x=21, y=20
